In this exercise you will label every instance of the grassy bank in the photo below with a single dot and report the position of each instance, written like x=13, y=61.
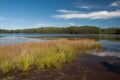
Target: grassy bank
x=43, y=54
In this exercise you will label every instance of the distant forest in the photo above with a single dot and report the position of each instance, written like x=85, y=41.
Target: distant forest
x=67, y=30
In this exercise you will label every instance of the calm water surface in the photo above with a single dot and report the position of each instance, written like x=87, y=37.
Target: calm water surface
x=110, y=43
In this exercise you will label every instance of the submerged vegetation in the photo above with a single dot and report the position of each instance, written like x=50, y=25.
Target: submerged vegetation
x=67, y=30
x=43, y=54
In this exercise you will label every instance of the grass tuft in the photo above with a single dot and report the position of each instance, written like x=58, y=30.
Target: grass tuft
x=43, y=54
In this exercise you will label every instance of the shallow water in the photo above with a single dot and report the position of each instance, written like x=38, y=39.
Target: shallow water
x=102, y=65
x=110, y=48
x=110, y=43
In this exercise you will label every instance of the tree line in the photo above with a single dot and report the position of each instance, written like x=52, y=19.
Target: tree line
x=67, y=30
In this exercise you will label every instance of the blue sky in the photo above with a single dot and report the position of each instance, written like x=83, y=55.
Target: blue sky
x=20, y=14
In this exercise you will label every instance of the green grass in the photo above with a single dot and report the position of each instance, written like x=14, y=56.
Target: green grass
x=43, y=54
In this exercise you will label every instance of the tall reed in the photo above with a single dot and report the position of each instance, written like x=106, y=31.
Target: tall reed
x=43, y=54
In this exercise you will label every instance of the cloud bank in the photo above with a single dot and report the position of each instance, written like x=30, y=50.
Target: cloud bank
x=92, y=15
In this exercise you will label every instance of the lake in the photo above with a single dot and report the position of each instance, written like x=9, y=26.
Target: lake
x=102, y=65
x=110, y=43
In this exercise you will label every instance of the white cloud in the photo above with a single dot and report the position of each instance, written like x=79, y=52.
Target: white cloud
x=67, y=11
x=71, y=24
x=116, y=3
x=43, y=25
x=84, y=7
x=12, y=19
x=11, y=26
x=15, y=19
x=40, y=24
x=91, y=15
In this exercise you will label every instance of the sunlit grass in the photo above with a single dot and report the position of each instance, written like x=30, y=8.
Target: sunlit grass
x=43, y=54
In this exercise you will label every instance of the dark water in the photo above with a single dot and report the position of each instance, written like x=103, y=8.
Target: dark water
x=110, y=43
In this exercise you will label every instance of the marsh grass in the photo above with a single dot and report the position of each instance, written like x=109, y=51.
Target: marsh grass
x=43, y=54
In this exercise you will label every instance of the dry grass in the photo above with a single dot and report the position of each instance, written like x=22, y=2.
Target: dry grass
x=43, y=54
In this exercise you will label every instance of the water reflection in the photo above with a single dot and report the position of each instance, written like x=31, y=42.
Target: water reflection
x=110, y=48
x=110, y=43
x=16, y=40
x=98, y=38
x=113, y=45
x=112, y=67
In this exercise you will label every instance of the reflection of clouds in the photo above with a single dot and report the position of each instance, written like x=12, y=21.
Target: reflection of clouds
x=107, y=53
x=111, y=46
x=16, y=40
x=116, y=48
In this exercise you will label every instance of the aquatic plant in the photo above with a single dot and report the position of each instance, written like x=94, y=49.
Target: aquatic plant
x=43, y=54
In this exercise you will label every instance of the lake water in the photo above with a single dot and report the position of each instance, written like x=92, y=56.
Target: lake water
x=110, y=43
